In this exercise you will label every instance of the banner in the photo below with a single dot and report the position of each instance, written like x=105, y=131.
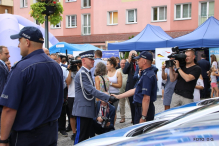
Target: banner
x=160, y=58
x=214, y=51
x=110, y=53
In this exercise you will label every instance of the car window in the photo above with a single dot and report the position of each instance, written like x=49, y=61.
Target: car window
x=183, y=116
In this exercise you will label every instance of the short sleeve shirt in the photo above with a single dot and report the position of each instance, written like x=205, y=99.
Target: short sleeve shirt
x=184, y=88
x=35, y=89
x=147, y=85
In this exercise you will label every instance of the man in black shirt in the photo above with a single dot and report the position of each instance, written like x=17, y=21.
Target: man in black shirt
x=187, y=77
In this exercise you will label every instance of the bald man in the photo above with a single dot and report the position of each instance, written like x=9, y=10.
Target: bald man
x=46, y=51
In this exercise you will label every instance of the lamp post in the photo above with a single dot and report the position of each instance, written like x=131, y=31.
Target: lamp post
x=49, y=10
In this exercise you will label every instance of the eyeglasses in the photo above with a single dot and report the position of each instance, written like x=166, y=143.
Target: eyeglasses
x=190, y=49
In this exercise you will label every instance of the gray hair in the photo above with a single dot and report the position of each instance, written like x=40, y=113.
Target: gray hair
x=100, y=69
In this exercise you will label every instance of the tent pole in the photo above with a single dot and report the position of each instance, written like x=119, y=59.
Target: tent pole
x=46, y=32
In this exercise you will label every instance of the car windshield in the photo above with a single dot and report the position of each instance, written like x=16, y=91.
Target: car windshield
x=215, y=103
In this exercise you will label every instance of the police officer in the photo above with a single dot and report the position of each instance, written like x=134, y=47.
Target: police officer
x=85, y=93
x=33, y=95
x=145, y=92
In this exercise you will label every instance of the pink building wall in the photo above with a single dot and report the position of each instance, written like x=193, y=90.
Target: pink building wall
x=74, y=8
x=144, y=11
x=193, y=23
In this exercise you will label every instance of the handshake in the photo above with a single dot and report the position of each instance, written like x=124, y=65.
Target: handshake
x=113, y=99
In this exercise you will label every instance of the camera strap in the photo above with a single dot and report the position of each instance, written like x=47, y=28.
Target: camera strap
x=103, y=82
x=82, y=87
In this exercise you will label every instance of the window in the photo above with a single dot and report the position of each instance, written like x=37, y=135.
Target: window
x=56, y=26
x=6, y=11
x=71, y=21
x=70, y=0
x=159, y=13
x=86, y=24
x=23, y=3
x=85, y=3
x=182, y=11
x=34, y=1
x=206, y=10
x=112, y=18
x=131, y=16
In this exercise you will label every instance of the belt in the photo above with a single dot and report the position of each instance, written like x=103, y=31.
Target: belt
x=138, y=104
x=45, y=124
x=40, y=126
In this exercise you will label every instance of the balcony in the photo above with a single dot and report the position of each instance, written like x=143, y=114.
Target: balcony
x=202, y=19
x=6, y=3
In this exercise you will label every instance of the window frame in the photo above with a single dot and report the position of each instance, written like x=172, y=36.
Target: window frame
x=158, y=10
x=82, y=22
x=24, y=2
x=207, y=6
x=70, y=1
x=70, y=21
x=181, y=11
x=135, y=16
x=108, y=18
x=54, y=27
x=82, y=4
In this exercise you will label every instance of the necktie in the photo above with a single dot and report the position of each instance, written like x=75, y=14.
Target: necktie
x=134, y=66
x=91, y=77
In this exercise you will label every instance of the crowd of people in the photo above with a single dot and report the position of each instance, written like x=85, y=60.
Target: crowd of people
x=47, y=88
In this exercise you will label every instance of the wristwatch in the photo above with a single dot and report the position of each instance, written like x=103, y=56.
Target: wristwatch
x=178, y=68
x=143, y=117
x=4, y=141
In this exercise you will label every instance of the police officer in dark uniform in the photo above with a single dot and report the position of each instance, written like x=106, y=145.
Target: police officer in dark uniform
x=145, y=92
x=33, y=95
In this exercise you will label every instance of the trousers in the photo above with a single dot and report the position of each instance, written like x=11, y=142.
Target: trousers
x=138, y=113
x=132, y=108
x=43, y=136
x=122, y=106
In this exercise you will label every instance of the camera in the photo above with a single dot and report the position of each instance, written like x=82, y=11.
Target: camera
x=105, y=121
x=133, y=55
x=73, y=64
x=177, y=55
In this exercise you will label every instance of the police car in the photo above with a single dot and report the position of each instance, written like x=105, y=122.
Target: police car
x=185, y=114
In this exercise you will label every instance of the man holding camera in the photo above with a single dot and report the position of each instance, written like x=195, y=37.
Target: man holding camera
x=71, y=94
x=187, y=77
x=104, y=121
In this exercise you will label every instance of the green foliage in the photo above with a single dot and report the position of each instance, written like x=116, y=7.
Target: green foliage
x=38, y=8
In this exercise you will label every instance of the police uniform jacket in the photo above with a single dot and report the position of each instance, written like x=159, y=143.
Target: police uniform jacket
x=83, y=107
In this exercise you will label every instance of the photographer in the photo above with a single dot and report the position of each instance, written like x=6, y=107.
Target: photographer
x=187, y=77
x=130, y=68
x=71, y=94
x=104, y=122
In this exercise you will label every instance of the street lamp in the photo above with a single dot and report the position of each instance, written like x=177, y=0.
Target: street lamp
x=49, y=10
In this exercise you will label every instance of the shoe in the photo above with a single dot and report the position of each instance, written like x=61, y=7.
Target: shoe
x=73, y=136
x=68, y=128
x=64, y=133
x=122, y=120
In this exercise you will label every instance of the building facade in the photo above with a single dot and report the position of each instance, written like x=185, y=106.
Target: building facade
x=6, y=6
x=99, y=21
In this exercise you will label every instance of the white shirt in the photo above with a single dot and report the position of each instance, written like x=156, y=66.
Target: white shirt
x=196, y=93
x=71, y=87
x=65, y=75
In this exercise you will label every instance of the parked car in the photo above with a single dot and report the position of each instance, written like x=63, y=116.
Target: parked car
x=159, y=124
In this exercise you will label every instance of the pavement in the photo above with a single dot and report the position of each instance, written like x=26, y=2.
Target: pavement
x=66, y=141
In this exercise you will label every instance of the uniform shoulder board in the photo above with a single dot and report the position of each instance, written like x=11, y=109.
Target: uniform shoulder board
x=150, y=73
